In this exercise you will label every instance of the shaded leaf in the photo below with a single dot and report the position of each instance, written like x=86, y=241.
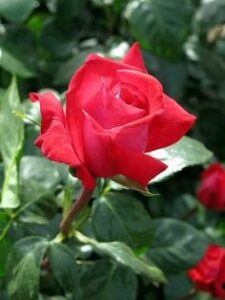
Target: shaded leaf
x=17, y=10
x=15, y=59
x=24, y=268
x=64, y=268
x=161, y=26
x=104, y=280
x=13, y=64
x=177, y=245
x=121, y=217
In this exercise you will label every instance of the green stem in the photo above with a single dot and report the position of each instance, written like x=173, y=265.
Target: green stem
x=6, y=229
x=77, y=206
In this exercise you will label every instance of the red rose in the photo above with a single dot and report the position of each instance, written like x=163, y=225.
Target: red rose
x=115, y=112
x=209, y=274
x=211, y=191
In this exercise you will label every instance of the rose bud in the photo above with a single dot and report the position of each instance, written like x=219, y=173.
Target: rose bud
x=115, y=112
x=211, y=191
x=209, y=274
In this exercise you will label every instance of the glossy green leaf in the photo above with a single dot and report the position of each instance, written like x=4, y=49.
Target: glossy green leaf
x=177, y=245
x=38, y=177
x=121, y=217
x=161, y=26
x=104, y=280
x=24, y=268
x=124, y=255
x=11, y=136
x=17, y=10
x=187, y=152
x=63, y=266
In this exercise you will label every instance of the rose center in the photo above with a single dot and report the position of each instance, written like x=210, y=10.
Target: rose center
x=130, y=95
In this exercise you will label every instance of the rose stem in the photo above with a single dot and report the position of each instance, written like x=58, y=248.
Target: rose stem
x=76, y=207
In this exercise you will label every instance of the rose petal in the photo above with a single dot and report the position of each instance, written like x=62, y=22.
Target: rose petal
x=148, y=85
x=169, y=126
x=134, y=58
x=50, y=109
x=134, y=138
x=55, y=142
x=111, y=112
x=97, y=147
x=135, y=165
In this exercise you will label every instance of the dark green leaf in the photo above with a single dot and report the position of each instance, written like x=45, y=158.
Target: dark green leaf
x=121, y=217
x=13, y=64
x=11, y=136
x=67, y=68
x=104, y=280
x=187, y=152
x=54, y=39
x=17, y=10
x=123, y=255
x=67, y=10
x=15, y=59
x=64, y=268
x=177, y=287
x=24, y=268
x=177, y=245
x=161, y=26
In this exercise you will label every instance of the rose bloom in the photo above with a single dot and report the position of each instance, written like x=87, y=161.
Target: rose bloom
x=211, y=191
x=115, y=112
x=209, y=274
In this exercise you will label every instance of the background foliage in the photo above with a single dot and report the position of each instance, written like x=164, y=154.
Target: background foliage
x=124, y=238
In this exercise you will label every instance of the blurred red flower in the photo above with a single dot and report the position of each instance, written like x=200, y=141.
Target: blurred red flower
x=209, y=274
x=211, y=191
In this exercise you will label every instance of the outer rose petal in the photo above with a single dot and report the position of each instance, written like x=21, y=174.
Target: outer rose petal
x=168, y=127
x=107, y=157
x=55, y=141
x=97, y=148
x=134, y=58
x=125, y=136
x=136, y=166
x=105, y=68
x=50, y=109
x=55, y=144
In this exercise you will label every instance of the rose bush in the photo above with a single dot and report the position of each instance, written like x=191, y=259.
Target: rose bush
x=115, y=112
x=211, y=191
x=209, y=274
